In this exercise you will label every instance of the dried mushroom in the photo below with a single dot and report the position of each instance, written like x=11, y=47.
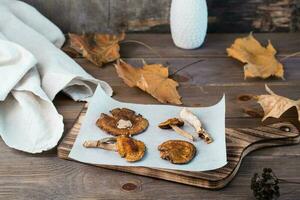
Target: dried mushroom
x=175, y=123
x=171, y=122
x=122, y=121
x=130, y=149
x=177, y=151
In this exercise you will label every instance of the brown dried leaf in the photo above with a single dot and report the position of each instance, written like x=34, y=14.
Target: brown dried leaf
x=152, y=79
x=260, y=61
x=70, y=51
x=275, y=105
x=97, y=48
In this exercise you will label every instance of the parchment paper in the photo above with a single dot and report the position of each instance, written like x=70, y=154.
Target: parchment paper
x=208, y=157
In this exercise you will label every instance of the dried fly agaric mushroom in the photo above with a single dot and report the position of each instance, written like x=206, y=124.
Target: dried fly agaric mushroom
x=122, y=122
x=175, y=123
x=177, y=151
x=130, y=149
x=193, y=120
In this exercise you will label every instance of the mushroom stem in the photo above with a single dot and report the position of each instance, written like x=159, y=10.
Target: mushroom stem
x=182, y=132
x=193, y=120
x=100, y=144
x=204, y=135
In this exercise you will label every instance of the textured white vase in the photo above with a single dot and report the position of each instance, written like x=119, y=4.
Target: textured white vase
x=188, y=23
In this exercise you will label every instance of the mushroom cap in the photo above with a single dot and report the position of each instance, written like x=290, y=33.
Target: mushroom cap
x=177, y=151
x=109, y=123
x=173, y=121
x=130, y=149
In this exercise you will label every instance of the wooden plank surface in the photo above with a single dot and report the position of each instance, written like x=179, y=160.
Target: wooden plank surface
x=153, y=15
x=47, y=177
x=215, y=45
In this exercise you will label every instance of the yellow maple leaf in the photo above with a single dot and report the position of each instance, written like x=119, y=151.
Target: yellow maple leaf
x=152, y=79
x=275, y=105
x=260, y=61
x=97, y=48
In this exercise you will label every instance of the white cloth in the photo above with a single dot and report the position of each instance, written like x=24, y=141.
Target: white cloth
x=57, y=70
x=32, y=71
x=28, y=119
x=15, y=62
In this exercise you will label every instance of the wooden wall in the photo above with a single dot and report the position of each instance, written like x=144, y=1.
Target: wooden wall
x=152, y=15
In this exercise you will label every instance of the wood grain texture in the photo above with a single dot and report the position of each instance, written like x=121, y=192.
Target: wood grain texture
x=44, y=176
x=239, y=143
x=153, y=15
x=214, y=46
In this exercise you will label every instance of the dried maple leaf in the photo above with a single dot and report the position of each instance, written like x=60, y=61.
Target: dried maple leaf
x=97, y=48
x=152, y=79
x=260, y=61
x=275, y=105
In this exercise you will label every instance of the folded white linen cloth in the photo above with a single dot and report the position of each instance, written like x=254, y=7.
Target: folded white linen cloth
x=12, y=56
x=57, y=70
x=28, y=119
x=32, y=71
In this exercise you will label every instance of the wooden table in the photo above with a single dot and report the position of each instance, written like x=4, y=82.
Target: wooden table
x=45, y=176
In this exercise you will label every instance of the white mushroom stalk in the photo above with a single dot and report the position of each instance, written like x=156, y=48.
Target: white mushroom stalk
x=194, y=121
x=182, y=132
x=105, y=143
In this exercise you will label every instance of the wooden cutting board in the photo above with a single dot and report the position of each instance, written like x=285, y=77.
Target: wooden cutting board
x=239, y=141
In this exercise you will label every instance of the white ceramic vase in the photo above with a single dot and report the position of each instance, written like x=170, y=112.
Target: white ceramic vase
x=188, y=21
